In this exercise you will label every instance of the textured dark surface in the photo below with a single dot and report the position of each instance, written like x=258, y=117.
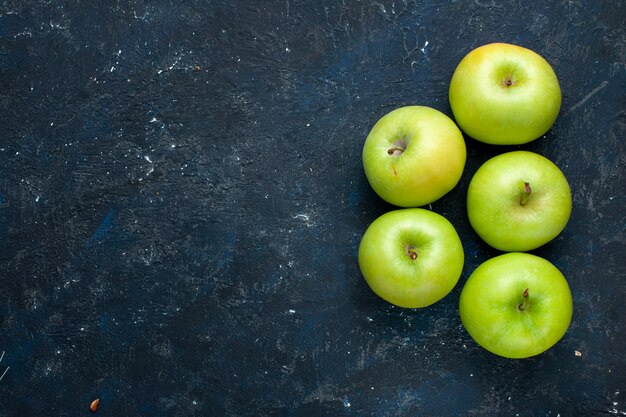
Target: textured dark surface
x=182, y=198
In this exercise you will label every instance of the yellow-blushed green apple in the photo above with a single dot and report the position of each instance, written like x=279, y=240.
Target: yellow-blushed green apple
x=411, y=257
x=518, y=201
x=516, y=305
x=504, y=94
x=413, y=156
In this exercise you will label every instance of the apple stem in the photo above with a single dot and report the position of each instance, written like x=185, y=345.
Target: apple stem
x=525, y=194
x=392, y=151
x=412, y=253
x=524, y=304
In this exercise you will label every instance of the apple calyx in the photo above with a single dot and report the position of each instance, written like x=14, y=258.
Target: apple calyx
x=525, y=194
x=412, y=252
x=524, y=304
x=508, y=80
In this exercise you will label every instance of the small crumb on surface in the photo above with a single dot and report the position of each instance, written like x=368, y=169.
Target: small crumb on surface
x=93, y=407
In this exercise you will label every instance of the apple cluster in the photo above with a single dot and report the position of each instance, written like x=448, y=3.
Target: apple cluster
x=515, y=305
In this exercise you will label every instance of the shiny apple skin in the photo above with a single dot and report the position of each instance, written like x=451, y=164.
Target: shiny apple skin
x=391, y=272
x=430, y=165
x=494, y=201
x=504, y=94
x=491, y=298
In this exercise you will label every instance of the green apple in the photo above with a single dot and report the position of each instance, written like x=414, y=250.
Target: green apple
x=504, y=94
x=411, y=257
x=413, y=156
x=518, y=201
x=516, y=305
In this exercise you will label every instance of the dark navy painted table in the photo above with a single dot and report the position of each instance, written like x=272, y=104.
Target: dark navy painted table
x=182, y=198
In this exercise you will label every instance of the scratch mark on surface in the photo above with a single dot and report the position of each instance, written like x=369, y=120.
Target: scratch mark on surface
x=492, y=4
x=104, y=227
x=416, y=46
x=588, y=96
x=6, y=370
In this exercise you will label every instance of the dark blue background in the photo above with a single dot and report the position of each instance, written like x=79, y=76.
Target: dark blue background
x=182, y=198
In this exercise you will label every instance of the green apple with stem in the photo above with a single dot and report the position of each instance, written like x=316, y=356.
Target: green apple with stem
x=411, y=257
x=516, y=305
x=413, y=156
x=518, y=201
x=504, y=94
